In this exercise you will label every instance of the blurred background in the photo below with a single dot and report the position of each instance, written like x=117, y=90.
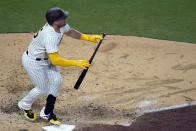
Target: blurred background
x=160, y=19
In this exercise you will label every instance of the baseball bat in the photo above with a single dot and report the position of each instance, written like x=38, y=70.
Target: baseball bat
x=83, y=74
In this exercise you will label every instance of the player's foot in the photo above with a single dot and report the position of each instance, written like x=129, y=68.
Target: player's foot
x=28, y=113
x=50, y=117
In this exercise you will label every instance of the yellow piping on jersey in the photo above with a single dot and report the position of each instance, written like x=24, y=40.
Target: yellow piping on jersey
x=58, y=31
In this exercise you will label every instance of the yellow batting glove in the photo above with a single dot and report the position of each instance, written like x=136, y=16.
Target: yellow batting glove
x=82, y=63
x=92, y=38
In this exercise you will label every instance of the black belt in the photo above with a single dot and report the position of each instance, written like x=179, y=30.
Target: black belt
x=38, y=59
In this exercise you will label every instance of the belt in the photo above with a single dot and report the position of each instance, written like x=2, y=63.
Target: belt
x=37, y=59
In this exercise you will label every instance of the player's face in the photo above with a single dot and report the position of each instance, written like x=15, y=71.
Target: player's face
x=60, y=23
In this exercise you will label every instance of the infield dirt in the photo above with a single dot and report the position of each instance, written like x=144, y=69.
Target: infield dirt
x=128, y=75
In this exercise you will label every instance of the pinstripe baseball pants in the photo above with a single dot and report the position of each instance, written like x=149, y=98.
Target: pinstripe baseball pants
x=46, y=80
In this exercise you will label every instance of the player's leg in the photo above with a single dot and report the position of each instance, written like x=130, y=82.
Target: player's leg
x=55, y=81
x=38, y=77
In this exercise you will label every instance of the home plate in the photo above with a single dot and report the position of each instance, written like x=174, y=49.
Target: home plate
x=62, y=127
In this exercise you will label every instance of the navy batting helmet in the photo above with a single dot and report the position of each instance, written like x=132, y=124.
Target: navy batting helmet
x=55, y=14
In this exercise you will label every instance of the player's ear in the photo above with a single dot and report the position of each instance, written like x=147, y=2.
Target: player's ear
x=54, y=23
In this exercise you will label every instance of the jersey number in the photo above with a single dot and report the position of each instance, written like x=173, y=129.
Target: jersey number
x=36, y=34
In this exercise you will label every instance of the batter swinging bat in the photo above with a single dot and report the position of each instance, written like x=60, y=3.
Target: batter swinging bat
x=83, y=74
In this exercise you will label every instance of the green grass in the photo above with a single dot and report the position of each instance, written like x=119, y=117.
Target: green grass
x=161, y=19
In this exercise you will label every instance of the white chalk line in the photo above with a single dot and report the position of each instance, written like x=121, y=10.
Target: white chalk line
x=170, y=107
x=159, y=110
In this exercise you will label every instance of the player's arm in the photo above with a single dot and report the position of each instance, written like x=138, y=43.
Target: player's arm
x=51, y=45
x=77, y=35
x=58, y=61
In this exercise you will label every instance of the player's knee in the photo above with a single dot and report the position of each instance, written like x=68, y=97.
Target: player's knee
x=38, y=92
x=41, y=88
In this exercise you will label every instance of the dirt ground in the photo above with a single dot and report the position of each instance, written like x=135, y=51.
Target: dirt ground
x=129, y=75
x=181, y=119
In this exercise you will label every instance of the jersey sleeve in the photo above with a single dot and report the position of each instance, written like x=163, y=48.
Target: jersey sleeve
x=51, y=44
x=66, y=28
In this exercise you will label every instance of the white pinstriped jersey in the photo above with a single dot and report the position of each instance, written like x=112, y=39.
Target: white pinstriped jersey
x=46, y=41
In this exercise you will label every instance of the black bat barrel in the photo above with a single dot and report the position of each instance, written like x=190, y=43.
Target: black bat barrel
x=83, y=74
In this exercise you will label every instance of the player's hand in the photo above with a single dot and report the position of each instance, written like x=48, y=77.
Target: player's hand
x=94, y=38
x=82, y=63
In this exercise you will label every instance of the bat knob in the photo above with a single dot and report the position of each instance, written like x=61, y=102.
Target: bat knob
x=104, y=34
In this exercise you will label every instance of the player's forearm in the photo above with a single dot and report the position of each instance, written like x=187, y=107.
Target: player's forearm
x=77, y=35
x=58, y=61
x=74, y=34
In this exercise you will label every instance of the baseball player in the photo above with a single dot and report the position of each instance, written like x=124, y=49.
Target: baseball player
x=41, y=61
